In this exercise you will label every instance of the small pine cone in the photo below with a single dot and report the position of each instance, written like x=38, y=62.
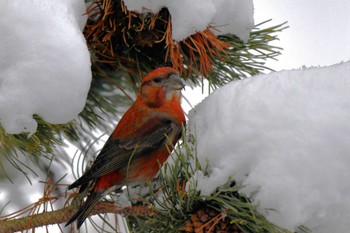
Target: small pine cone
x=202, y=215
x=194, y=218
x=197, y=225
x=211, y=212
x=208, y=220
x=188, y=228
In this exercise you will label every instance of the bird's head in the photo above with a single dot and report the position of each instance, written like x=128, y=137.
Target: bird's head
x=160, y=86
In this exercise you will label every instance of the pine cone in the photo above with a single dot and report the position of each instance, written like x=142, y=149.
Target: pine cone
x=208, y=220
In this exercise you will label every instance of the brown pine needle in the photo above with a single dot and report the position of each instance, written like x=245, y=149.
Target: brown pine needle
x=113, y=21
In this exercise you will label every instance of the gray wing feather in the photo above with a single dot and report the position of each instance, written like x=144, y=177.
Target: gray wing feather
x=116, y=153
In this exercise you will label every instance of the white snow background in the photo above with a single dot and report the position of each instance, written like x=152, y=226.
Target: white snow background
x=283, y=134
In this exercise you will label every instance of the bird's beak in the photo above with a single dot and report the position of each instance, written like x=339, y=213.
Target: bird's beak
x=175, y=82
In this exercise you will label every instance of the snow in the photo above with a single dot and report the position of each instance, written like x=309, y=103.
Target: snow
x=286, y=136
x=44, y=62
x=222, y=16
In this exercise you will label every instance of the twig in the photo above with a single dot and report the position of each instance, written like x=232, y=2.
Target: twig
x=63, y=215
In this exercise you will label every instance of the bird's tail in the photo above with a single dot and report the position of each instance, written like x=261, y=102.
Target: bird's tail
x=85, y=209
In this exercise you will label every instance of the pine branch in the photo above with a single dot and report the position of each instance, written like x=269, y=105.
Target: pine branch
x=63, y=215
x=179, y=206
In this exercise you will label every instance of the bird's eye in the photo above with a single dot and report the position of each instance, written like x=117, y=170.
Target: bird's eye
x=157, y=80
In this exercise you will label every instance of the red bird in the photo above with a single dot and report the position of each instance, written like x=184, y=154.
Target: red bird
x=141, y=142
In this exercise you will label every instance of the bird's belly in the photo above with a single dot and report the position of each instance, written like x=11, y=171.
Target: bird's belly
x=145, y=168
x=141, y=169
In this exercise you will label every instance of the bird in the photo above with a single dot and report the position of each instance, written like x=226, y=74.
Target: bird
x=141, y=142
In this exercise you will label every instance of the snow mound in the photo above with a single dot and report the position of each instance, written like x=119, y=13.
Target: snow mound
x=286, y=136
x=191, y=16
x=44, y=62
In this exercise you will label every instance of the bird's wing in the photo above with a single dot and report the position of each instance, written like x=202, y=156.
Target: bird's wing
x=117, y=152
